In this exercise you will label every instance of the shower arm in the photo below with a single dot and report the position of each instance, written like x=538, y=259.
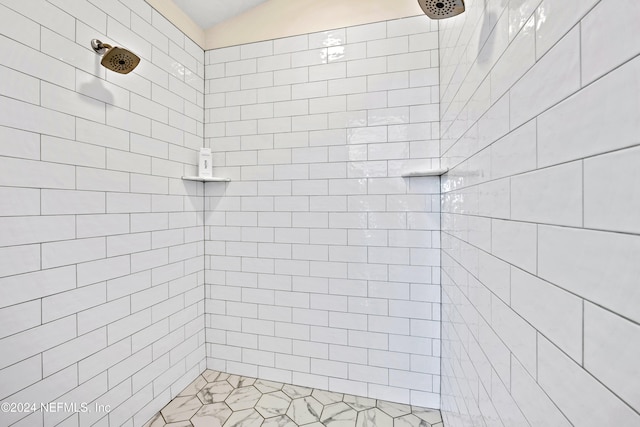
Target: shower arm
x=99, y=47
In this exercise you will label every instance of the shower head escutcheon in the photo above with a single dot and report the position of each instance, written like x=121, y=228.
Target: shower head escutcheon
x=441, y=9
x=116, y=59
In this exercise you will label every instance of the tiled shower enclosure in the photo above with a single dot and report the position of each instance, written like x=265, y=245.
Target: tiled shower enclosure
x=321, y=262
x=321, y=276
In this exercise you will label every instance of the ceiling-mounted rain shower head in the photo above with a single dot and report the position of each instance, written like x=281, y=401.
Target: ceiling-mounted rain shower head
x=440, y=9
x=116, y=59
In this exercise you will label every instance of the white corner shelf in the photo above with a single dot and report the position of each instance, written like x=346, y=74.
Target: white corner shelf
x=199, y=179
x=426, y=172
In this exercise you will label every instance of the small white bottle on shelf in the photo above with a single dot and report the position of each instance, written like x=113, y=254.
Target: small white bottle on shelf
x=205, y=169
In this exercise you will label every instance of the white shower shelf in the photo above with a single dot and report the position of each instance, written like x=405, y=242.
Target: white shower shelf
x=426, y=172
x=212, y=179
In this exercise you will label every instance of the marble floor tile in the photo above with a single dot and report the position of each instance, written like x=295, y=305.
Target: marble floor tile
x=281, y=421
x=294, y=391
x=245, y=418
x=431, y=416
x=238, y=381
x=410, y=420
x=215, y=392
x=394, y=409
x=181, y=409
x=373, y=418
x=305, y=410
x=213, y=415
x=267, y=386
x=243, y=398
x=359, y=403
x=212, y=376
x=217, y=399
x=273, y=404
x=327, y=397
x=338, y=415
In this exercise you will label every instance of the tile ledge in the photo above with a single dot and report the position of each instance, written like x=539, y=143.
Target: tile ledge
x=426, y=172
x=200, y=179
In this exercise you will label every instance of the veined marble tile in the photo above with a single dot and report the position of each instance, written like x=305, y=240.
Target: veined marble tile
x=394, y=409
x=338, y=415
x=181, y=408
x=213, y=415
x=243, y=398
x=327, y=397
x=359, y=403
x=246, y=418
x=432, y=416
x=294, y=391
x=237, y=381
x=273, y=404
x=215, y=392
x=265, y=403
x=281, y=421
x=267, y=386
x=212, y=376
x=410, y=421
x=305, y=410
x=374, y=418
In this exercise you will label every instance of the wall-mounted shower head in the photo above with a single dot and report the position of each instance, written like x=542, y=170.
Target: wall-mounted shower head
x=116, y=59
x=440, y=9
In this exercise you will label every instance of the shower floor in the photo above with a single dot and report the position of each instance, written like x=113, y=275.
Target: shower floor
x=216, y=399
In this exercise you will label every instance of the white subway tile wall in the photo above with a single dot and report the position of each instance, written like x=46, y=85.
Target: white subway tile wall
x=540, y=114
x=101, y=242
x=322, y=262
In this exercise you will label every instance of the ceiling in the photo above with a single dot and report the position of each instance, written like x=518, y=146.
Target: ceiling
x=214, y=24
x=207, y=13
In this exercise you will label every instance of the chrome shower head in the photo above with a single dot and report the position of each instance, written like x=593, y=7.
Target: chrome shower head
x=441, y=9
x=116, y=59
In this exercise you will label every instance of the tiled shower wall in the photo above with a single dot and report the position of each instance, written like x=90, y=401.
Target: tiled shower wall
x=101, y=243
x=322, y=261
x=541, y=126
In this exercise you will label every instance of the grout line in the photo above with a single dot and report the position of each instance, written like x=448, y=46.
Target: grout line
x=582, y=164
x=583, y=335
